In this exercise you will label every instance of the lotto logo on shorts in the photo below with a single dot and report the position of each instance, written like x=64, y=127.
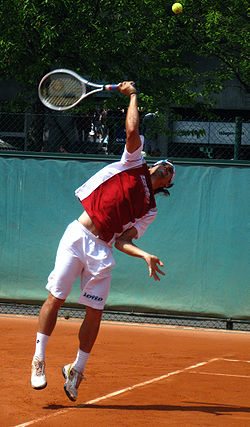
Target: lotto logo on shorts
x=93, y=297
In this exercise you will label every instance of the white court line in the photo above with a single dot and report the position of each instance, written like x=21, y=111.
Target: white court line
x=225, y=375
x=235, y=360
x=217, y=373
x=116, y=393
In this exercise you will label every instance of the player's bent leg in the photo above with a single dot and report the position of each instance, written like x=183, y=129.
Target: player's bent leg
x=48, y=314
x=89, y=328
x=46, y=324
x=73, y=372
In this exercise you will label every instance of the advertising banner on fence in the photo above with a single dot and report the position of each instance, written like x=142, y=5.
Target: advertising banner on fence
x=209, y=132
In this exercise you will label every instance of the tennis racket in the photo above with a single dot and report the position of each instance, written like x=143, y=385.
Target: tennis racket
x=63, y=89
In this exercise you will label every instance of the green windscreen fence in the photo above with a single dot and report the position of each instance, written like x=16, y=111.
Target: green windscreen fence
x=201, y=234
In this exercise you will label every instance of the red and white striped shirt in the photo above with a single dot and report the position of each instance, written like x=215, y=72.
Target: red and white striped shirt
x=120, y=196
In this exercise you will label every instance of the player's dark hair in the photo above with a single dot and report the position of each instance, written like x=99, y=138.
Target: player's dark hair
x=163, y=190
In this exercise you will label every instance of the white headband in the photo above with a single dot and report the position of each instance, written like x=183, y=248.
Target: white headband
x=169, y=163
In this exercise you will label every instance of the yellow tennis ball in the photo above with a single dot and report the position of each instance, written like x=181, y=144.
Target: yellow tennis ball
x=177, y=8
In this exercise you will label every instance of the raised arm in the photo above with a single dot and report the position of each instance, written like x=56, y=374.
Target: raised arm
x=132, y=119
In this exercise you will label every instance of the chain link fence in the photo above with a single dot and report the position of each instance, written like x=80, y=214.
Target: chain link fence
x=13, y=308
x=103, y=132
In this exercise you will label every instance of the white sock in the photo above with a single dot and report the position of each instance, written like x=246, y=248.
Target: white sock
x=41, y=342
x=81, y=360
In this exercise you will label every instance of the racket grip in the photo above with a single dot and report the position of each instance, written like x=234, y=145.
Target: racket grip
x=111, y=87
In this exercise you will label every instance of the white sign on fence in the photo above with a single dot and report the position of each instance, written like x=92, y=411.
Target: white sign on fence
x=209, y=132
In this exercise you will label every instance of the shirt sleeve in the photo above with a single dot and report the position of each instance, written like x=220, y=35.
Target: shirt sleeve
x=142, y=224
x=135, y=156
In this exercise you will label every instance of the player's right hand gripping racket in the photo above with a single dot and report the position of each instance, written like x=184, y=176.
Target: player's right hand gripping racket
x=63, y=89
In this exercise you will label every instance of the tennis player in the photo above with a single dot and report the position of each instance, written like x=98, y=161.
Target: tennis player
x=119, y=205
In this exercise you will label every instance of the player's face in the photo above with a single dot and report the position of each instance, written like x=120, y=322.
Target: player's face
x=160, y=175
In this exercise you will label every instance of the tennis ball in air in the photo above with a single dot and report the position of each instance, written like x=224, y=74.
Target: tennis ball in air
x=177, y=8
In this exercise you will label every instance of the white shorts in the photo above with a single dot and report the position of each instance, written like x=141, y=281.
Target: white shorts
x=81, y=253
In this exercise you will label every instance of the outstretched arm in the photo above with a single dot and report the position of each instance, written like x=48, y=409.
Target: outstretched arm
x=132, y=119
x=124, y=244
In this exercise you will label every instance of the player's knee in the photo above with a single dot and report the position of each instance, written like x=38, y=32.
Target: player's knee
x=54, y=301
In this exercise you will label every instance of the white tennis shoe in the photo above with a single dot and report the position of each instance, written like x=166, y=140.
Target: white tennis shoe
x=38, y=378
x=73, y=380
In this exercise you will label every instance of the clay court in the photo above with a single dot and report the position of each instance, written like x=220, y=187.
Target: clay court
x=137, y=375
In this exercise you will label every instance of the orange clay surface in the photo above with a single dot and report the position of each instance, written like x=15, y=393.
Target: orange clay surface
x=137, y=375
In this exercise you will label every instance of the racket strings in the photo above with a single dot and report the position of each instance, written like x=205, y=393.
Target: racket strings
x=62, y=90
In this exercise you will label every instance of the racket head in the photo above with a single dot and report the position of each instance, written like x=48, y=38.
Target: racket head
x=61, y=89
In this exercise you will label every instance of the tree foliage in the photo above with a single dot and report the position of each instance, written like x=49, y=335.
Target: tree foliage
x=140, y=40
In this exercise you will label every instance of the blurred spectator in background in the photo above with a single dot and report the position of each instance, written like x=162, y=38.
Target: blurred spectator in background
x=84, y=127
x=150, y=132
x=60, y=130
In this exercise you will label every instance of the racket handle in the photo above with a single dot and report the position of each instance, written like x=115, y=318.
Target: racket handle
x=111, y=87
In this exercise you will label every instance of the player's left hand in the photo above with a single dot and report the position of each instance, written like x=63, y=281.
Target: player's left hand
x=153, y=262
